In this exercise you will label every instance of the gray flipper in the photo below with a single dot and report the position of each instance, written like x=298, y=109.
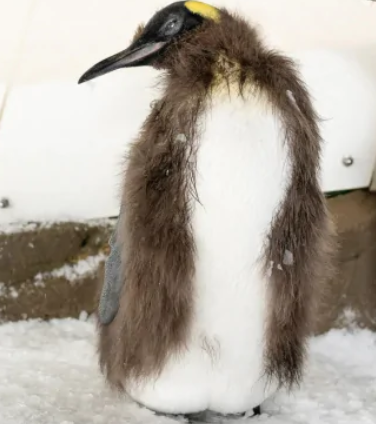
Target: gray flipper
x=109, y=300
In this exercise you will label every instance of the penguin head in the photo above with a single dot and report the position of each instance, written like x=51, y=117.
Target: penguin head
x=152, y=41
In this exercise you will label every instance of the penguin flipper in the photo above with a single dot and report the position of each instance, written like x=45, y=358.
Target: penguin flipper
x=109, y=299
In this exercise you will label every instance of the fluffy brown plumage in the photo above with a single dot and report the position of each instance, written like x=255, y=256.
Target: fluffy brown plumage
x=155, y=232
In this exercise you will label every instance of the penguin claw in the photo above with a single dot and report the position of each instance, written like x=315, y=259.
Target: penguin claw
x=202, y=418
x=256, y=411
x=206, y=417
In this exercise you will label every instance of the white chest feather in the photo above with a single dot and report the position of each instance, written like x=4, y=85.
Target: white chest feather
x=242, y=172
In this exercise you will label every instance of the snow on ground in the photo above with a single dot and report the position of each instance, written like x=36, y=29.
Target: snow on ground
x=49, y=375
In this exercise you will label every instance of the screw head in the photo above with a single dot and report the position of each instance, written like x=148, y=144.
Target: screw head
x=4, y=203
x=348, y=161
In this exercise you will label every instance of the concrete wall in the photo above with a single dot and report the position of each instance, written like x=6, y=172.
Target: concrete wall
x=61, y=145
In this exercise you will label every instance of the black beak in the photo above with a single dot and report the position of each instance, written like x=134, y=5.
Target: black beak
x=137, y=54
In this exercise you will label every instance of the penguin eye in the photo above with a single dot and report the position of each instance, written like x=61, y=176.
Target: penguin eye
x=172, y=26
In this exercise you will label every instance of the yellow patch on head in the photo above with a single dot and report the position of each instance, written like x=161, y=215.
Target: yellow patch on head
x=203, y=9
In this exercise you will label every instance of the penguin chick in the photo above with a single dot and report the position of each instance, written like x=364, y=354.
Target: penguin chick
x=224, y=237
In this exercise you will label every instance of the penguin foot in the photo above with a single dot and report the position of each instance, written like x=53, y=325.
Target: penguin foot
x=208, y=417
x=257, y=411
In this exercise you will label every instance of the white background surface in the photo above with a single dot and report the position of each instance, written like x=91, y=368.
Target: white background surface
x=62, y=145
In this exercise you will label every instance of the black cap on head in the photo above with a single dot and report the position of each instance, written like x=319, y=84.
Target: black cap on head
x=165, y=27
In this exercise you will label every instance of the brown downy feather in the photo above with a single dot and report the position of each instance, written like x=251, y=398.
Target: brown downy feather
x=138, y=32
x=158, y=247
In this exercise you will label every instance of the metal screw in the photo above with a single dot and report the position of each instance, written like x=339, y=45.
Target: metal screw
x=4, y=203
x=348, y=161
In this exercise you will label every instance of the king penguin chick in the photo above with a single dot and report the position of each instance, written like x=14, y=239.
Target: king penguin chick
x=224, y=236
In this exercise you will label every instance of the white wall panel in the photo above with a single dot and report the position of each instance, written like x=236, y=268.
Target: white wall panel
x=14, y=17
x=343, y=87
x=309, y=24
x=62, y=147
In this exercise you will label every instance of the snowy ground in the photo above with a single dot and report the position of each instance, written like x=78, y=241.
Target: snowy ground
x=49, y=375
